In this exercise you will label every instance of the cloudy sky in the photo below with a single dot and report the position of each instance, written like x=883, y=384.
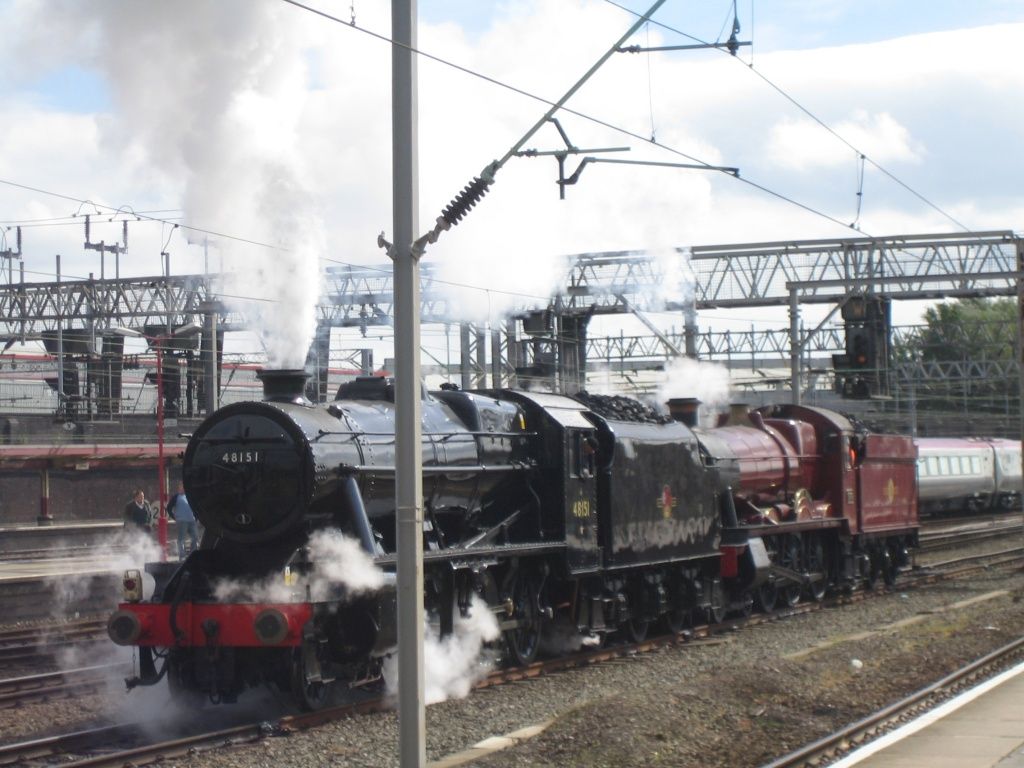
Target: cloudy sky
x=262, y=121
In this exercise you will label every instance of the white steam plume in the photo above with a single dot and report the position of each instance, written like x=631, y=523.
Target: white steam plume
x=675, y=279
x=453, y=664
x=339, y=567
x=152, y=706
x=685, y=377
x=127, y=549
x=209, y=97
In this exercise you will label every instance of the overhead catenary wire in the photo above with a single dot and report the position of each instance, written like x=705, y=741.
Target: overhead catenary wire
x=486, y=78
x=76, y=219
x=385, y=269
x=78, y=223
x=576, y=113
x=782, y=92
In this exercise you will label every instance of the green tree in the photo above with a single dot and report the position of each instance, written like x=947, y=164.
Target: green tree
x=964, y=357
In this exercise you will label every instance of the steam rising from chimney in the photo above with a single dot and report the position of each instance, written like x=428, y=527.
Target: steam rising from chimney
x=210, y=95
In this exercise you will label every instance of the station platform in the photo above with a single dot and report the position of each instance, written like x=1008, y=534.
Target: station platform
x=75, y=527
x=64, y=539
x=21, y=540
x=58, y=567
x=68, y=585
x=981, y=728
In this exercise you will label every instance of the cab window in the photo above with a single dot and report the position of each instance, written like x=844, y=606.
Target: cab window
x=582, y=455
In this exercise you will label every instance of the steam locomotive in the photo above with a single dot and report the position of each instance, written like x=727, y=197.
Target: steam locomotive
x=587, y=516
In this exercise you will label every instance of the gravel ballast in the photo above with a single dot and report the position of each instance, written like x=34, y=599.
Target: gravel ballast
x=758, y=693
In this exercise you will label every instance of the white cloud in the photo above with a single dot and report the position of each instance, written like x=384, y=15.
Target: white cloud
x=185, y=132
x=803, y=145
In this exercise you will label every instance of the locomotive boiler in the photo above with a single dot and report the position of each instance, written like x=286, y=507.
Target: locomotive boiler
x=583, y=516
x=832, y=503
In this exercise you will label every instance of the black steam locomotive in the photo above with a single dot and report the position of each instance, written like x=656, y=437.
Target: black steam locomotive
x=587, y=516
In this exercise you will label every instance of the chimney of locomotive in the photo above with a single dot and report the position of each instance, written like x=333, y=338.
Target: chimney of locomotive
x=284, y=385
x=685, y=409
x=738, y=416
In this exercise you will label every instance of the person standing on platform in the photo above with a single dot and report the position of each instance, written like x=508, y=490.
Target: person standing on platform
x=137, y=512
x=179, y=510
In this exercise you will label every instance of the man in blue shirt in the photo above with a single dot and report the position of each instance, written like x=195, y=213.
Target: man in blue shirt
x=181, y=511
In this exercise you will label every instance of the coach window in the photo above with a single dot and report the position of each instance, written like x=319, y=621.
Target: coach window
x=975, y=465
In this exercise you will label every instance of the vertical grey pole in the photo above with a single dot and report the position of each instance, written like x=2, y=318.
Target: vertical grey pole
x=210, y=355
x=465, y=359
x=1020, y=340
x=495, y=358
x=480, y=360
x=214, y=396
x=912, y=397
x=794, y=344
x=61, y=396
x=408, y=459
x=513, y=353
x=690, y=328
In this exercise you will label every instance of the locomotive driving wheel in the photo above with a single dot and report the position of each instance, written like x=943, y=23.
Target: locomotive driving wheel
x=818, y=568
x=678, y=620
x=523, y=641
x=636, y=629
x=790, y=558
x=309, y=689
x=767, y=595
x=679, y=617
x=890, y=566
x=717, y=604
x=878, y=557
x=179, y=683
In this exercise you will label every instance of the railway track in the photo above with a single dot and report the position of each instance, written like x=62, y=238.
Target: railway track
x=957, y=532
x=47, y=553
x=38, y=597
x=70, y=745
x=135, y=744
x=50, y=685
x=851, y=737
x=42, y=643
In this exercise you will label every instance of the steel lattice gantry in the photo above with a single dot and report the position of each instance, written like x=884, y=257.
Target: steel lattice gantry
x=779, y=274
x=979, y=263
x=687, y=279
x=83, y=322
x=916, y=267
x=708, y=277
x=29, y=311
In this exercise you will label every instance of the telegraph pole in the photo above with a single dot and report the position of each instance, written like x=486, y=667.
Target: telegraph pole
x=408, y=458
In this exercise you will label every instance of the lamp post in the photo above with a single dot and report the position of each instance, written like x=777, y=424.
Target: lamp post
x=157, y=343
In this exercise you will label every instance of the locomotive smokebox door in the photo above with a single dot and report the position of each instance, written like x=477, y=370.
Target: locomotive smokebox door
x=581, y=499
